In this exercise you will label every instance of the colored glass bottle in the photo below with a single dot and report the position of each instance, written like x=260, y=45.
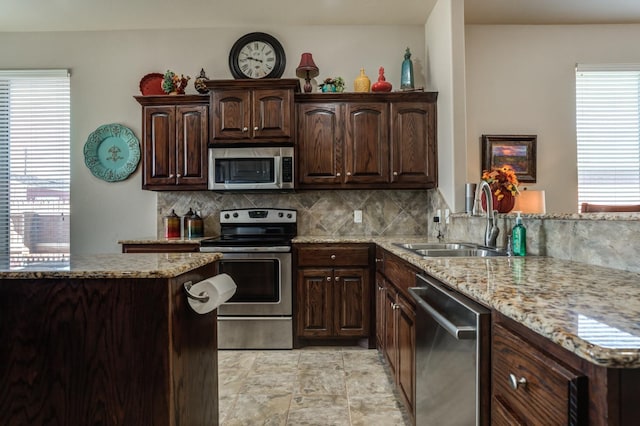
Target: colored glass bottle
x=406, y=76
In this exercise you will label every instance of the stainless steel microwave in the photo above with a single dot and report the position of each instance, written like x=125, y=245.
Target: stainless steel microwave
x=251, y=168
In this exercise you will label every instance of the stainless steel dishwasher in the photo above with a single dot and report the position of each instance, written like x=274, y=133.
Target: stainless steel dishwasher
x=452, y=356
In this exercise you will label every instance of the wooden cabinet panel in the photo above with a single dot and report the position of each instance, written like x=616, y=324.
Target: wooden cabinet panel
x=174, y=138
x=380, y=311
x=413, y=142
x=272, y=113
x=406, y=346
x=352, y=300
x=366, y=143
x=319, y=143
x=315, y=302
x=390, y=336
x=231, y=116
x=534, y=386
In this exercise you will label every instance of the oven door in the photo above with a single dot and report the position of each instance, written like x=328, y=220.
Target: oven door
x=264, y=285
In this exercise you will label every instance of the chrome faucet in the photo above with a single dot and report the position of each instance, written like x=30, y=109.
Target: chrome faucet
x=491, y=231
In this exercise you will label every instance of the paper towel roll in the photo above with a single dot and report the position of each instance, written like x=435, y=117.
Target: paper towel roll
x=219, y=288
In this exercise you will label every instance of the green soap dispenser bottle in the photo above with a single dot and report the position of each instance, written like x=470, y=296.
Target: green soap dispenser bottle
x=519, y=237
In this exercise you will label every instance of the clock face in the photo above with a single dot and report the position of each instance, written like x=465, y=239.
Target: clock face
x=255, y=56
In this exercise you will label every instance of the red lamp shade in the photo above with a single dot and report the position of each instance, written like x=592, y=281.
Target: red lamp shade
x=307, y=70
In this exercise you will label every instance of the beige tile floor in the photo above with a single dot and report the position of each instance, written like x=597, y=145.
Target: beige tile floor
x=315, y=386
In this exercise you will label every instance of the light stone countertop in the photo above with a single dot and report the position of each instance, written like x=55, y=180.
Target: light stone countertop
x=119, y=265
x=155, y=240
x=589, y=310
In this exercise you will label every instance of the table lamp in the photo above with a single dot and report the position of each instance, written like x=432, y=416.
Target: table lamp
x=530, y=202
x=307, y=70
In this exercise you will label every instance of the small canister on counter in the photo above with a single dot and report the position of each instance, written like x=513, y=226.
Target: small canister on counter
x=194, y=226
x=172, y=225
x=185, y=222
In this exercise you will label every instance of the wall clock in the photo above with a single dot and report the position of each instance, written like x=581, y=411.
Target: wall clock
x=256, y=56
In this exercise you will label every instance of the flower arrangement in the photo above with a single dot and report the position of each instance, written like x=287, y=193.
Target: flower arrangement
x=171, y=83
x=502, y=180
x=332, y=84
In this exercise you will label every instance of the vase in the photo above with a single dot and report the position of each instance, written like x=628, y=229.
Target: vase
x=382, y=85
x=501, y=206
x=362, y=82
x=406, y=76
x=199, y=82
x=328, y=88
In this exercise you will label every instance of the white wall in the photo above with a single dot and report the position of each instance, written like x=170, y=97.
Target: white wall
x=106, y=69
x=521, y=80
x=444, y=34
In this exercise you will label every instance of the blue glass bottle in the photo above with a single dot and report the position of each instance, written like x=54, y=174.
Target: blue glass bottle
x=406, y=77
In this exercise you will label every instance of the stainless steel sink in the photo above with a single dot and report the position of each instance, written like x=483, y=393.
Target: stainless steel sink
x=451, y=250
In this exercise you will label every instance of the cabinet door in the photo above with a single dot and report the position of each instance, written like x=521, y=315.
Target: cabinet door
x=192, y=131
x=413, y=143
x=160, y=146
x=319, y=144
x=351, y=302
x=380, y=311
x=390, y=345
x=406, y=344
x=272, y=113
x=366, y=143
x=231, y=118
x=315, y=302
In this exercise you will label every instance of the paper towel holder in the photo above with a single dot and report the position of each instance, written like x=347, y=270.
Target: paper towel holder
x=202, y=297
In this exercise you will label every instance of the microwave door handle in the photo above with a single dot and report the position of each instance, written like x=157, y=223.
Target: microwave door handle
x=276, y=169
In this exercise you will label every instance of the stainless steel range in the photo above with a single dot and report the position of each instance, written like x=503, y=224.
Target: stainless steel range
x=256, y=247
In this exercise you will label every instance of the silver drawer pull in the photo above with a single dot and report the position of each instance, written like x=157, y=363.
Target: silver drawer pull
x=202, y=297
x=515, y=382
x=333, y=257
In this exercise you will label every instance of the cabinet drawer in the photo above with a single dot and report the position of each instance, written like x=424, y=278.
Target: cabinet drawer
x=552, y=394
x=333, y=255
x=400, y=273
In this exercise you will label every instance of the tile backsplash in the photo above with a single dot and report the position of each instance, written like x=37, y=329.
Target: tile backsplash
x=326, y=213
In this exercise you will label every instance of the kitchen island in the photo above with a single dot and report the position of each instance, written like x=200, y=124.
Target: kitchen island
x=107, y=339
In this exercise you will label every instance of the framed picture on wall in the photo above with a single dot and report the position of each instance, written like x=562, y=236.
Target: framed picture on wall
x=517, y=151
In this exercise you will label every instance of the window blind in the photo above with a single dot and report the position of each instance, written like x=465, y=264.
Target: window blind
x=608, y=139
x=34, y=166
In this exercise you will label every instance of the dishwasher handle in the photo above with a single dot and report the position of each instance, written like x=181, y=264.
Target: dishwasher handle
x=460, y=332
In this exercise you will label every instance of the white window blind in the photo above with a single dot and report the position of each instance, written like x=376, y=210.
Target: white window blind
x=34, y=166
x=608, y=133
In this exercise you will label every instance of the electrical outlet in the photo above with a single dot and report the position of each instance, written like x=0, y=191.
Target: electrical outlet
x=357, y=216
x=439, y=214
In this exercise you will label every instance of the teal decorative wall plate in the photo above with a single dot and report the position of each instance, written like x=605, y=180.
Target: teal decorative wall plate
x=112, y=152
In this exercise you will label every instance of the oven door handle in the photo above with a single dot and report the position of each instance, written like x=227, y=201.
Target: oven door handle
x=239, y=249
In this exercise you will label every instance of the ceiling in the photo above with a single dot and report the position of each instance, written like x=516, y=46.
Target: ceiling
x=82, y=15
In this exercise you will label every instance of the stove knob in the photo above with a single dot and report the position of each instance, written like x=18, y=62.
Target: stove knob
x=289, y=215
x=226, y=215
x=235, y=215
x=280, y=214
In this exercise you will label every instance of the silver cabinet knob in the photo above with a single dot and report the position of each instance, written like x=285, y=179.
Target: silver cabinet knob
x=179, y=175
x=328, y=278
x=333, y=257
x=515, y=382
x=348, y=173
x=245, y=129
x=170, y=175
x=255, y=128
x=395, y=173
x=378, y=260
x=337, y=279
x=338, y=174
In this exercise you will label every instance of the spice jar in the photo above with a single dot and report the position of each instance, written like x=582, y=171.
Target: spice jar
x=172, y=225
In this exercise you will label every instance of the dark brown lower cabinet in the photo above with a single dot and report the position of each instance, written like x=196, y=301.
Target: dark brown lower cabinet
x=395, y=320
x=537, y=382
x=106, y=352
x=333, y=292
x=161, y=248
